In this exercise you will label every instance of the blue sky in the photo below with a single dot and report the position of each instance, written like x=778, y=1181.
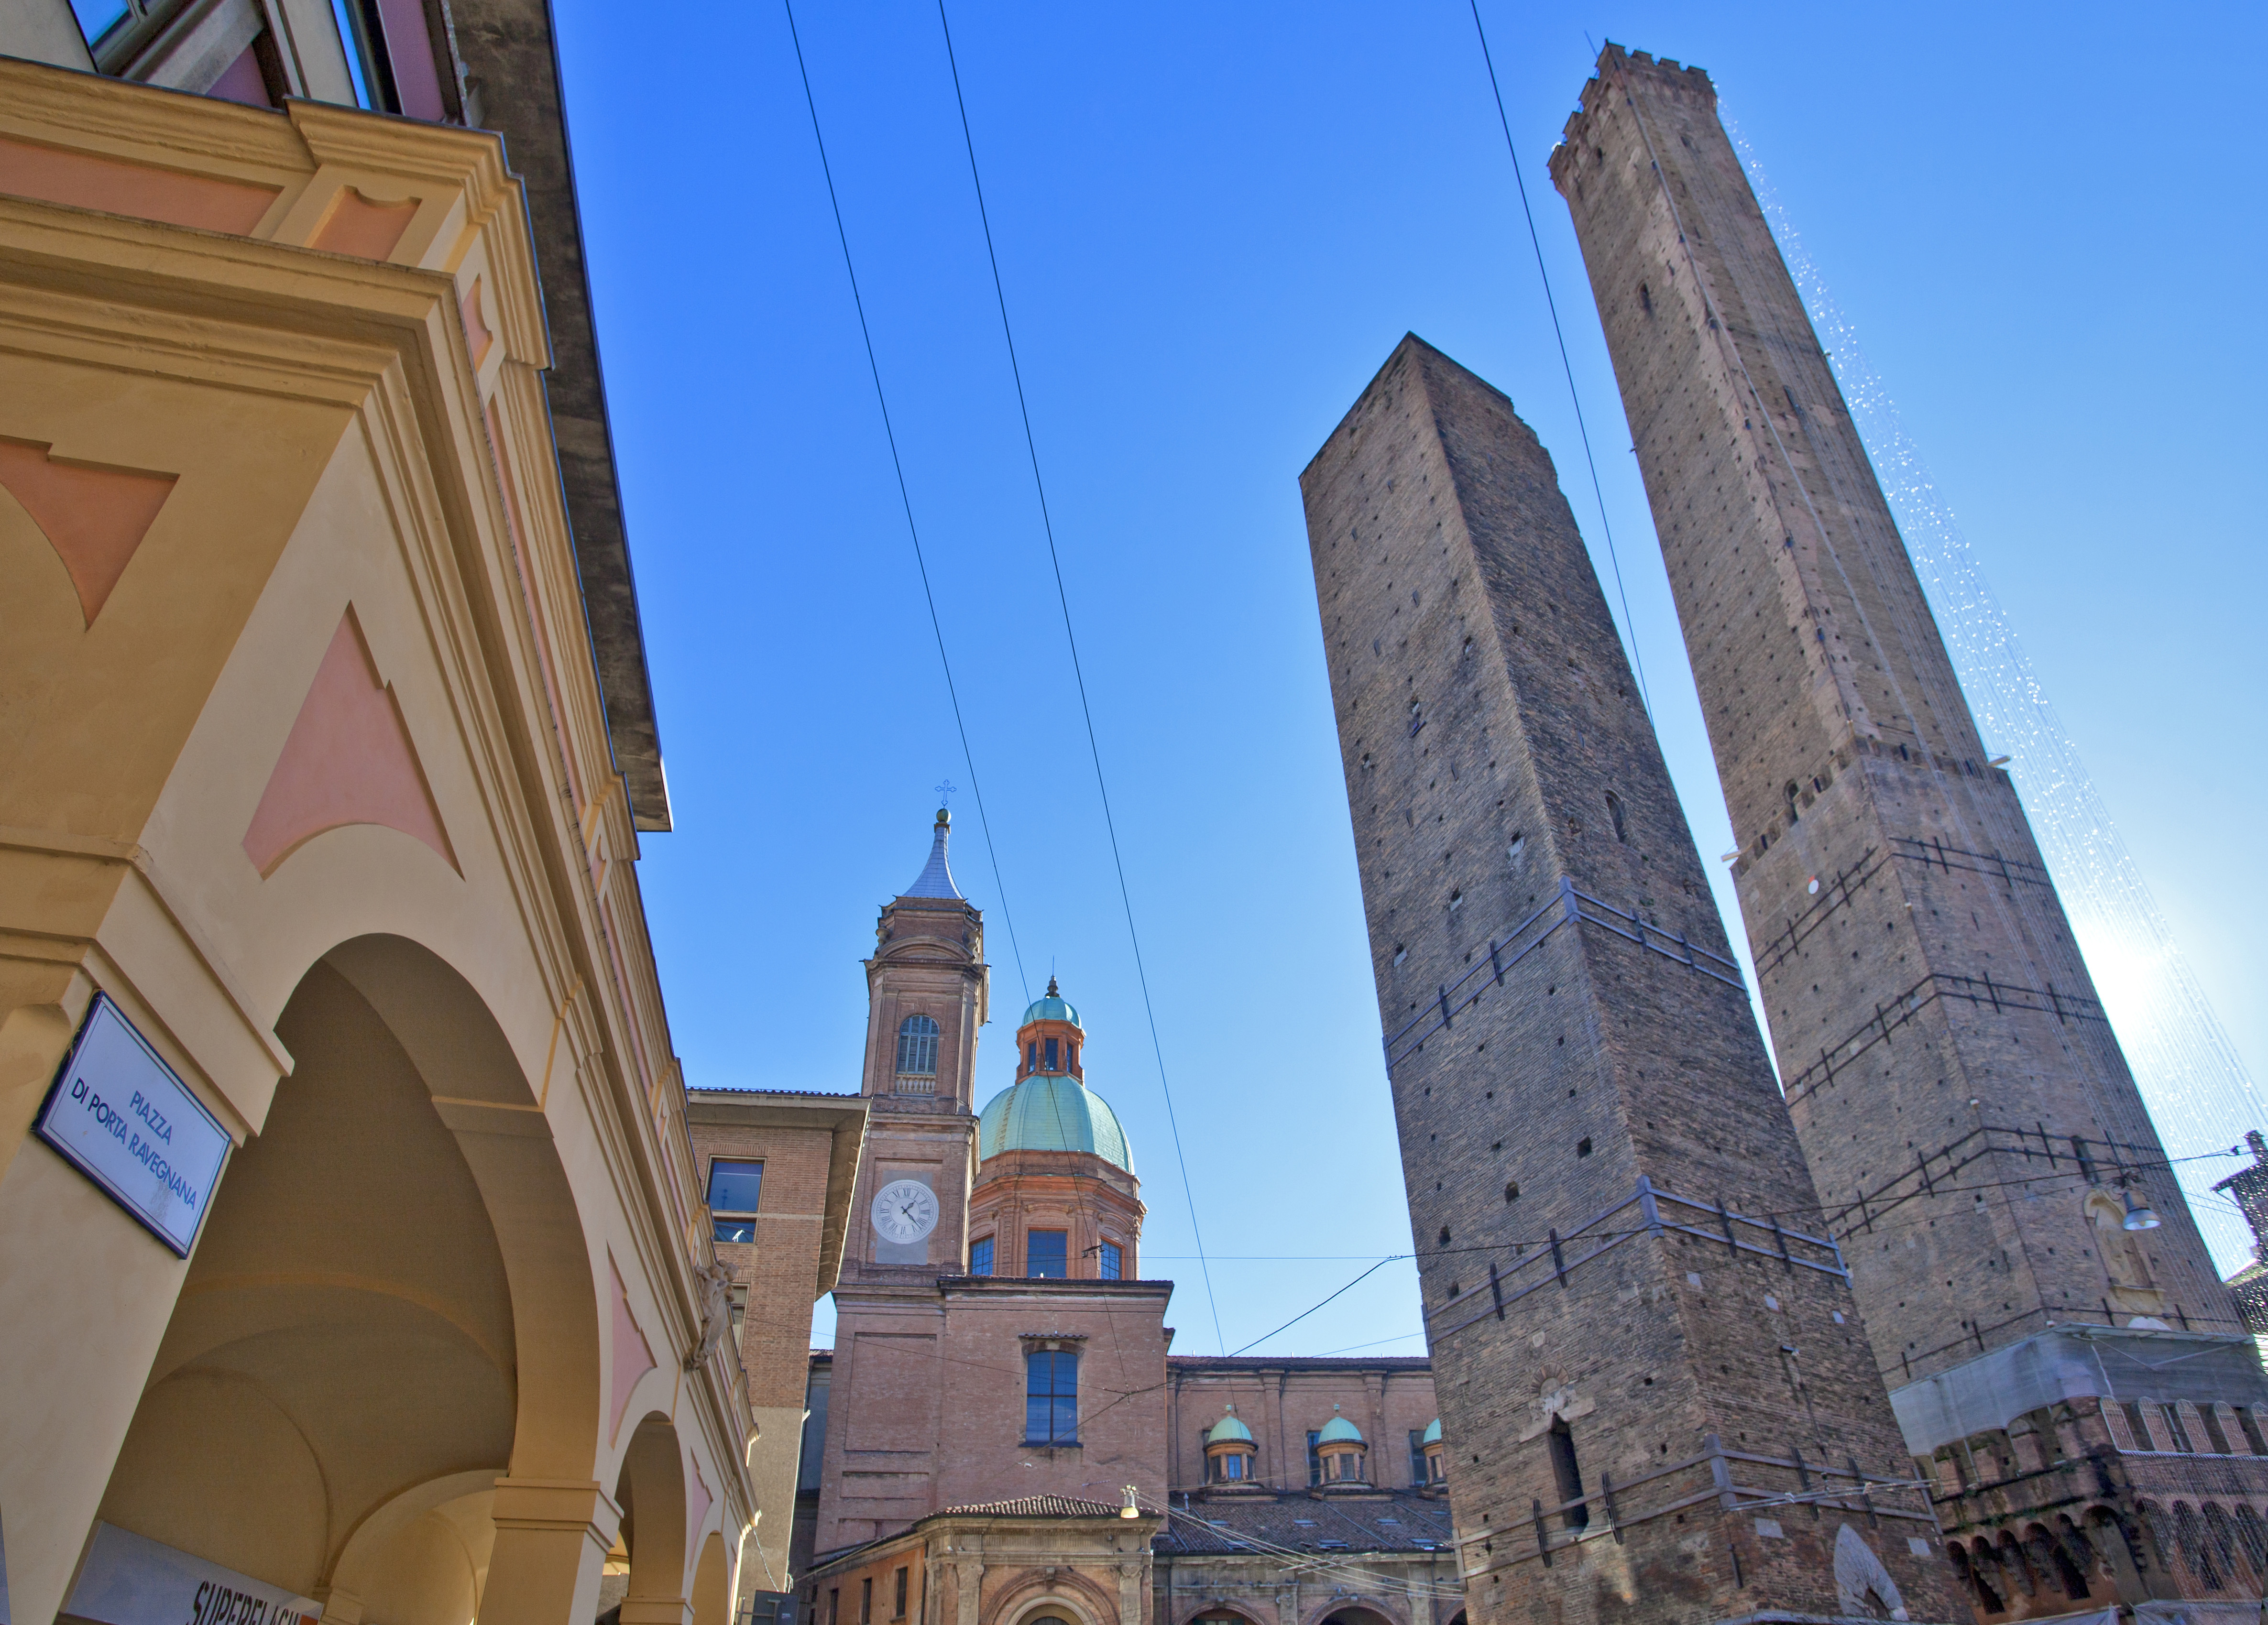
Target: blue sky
x=1214, y=223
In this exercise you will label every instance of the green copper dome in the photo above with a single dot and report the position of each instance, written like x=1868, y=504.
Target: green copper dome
x=1050, y=1112
x=1433, y=1432
x=1228, y=1430
x=1052, y=1006
x=1338, y=1431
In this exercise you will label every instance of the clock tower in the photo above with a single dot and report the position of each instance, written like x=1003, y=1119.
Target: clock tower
x=926, y=988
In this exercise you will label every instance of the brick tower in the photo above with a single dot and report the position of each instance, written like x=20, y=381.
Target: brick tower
x=927, y=986
x=1657, y=1402
x=1986, y=1158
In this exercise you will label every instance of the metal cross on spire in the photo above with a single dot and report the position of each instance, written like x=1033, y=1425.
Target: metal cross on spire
x=945, y=792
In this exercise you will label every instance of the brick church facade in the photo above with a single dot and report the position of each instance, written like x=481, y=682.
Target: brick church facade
x=999, y=1436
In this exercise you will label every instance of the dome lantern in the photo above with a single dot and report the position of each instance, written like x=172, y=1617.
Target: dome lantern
x=1049, y=1037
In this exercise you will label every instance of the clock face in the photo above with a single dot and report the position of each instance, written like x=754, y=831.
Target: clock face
x=904, y=1210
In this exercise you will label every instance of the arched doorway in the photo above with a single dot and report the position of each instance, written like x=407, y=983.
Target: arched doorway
x=347, y=1372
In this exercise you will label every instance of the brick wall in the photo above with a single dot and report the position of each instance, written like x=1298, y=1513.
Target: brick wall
x=1283, y=1400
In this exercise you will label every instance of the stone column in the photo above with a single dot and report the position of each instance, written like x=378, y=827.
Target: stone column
x=552, y=1538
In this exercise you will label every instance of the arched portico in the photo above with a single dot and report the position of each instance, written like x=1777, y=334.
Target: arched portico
x=319, y=790
x=343, y=1380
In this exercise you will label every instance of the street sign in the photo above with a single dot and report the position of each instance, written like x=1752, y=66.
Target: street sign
x=120, y=1116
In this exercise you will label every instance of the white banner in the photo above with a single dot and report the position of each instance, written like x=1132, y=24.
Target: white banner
x=129, y=1580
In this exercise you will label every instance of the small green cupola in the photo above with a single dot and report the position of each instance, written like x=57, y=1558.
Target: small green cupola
x=1231, y=1456
x=1340, y=1447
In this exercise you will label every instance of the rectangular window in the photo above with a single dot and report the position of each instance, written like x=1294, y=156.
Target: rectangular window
x=835, y=1606
x=979, y=1257
x=1051, y=1055
x=898, y=1612
x=1052, y=1397
x=1314, y=1460
x=1417, y=1455
x=866, y=1602
x=733, y=1189
x=1113, y=1260
x=1047, y=1253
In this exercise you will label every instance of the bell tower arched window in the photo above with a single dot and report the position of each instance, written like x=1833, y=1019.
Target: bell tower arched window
x=917, y=1046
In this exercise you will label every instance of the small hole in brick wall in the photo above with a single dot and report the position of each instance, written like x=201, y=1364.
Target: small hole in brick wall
x=1401, y=953
x=1497, y=1145
x=1582, y=1148
x=1571, y=1094
x=1511, y=1192
x=1445, y=1235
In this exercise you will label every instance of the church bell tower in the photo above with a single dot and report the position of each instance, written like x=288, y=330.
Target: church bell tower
x=927, y=985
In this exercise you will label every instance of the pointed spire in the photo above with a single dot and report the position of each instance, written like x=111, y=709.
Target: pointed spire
x=1053, y=994
x=936, y=878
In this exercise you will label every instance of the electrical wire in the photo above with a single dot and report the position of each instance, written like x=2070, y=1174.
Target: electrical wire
x=913, y=530
x=1598, y=492
x=1094, y=748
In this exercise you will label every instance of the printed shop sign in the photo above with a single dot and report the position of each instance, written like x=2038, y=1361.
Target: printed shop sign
x=120, y=1115
x=129, y=1580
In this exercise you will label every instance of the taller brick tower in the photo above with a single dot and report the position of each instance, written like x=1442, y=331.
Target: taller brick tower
x=1986, y=1161
x=1656, y=1401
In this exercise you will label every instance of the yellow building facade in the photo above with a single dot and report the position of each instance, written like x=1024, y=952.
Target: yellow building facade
x=353, y=1257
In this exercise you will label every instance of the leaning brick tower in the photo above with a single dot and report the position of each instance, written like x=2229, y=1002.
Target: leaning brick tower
x=1985, y=1157
x=1657, y=1402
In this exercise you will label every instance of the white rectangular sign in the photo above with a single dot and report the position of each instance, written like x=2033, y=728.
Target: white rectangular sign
x=118, y=1115
x=129, y=1580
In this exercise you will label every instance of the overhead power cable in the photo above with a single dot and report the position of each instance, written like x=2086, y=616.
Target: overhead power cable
x=1063, y=598
x=913, y=530
x=1598, y=492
